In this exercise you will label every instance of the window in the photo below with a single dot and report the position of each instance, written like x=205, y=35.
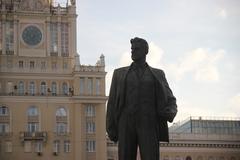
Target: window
x=54, y=37
x=65, y=88
x=56, y=146
x=82, y=81
x=38, y=147
x=32, y=88
x=31, y=64
x=33, y=127
x=61, y=121
x=64, y=39
x=21, y=88
x=43, y=88
x=67, y=146
x=90, y=127
x=10, y=87
x=9, y=63
x=90, y=111
x=188, y=158
x=61, y=128
x=90, y=86
x=27, y=146
x=54, y=65
x=4, y=128
x=4, y=111
x=20, y=64
x=43, y=65
x=65, y=65
x=90, y=146
x=32, y=111
x=98, y=86
x=9, y=37
x=54, y=88
x=61, y=112
x=8, y=146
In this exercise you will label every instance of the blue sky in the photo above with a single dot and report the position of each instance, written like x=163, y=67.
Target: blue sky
x=196, y=43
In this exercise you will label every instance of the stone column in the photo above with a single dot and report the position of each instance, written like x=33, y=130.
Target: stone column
x=59, y=35
x=3, y=34
x=48, y=37
x=15, y=35
x=72, y=31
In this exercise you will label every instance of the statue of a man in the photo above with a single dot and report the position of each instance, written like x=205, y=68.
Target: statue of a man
x=139, y=106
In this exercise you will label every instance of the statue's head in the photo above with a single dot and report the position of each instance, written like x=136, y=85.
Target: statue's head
x=139, y=49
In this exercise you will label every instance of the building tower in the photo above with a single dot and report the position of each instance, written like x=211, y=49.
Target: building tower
x=51, y=106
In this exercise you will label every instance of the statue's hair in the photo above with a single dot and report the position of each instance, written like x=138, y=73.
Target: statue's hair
x=141, y=41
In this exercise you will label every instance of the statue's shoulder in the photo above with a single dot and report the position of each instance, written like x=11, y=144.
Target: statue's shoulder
x=156, y=70
x=122, y=69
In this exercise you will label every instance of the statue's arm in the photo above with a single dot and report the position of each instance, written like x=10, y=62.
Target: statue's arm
x=170, y=110
x=111, y=125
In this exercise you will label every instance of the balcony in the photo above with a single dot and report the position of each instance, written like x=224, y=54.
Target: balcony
x=54, y=54
x=28, y=136
x=4, y=118
x=9, y=52
x=65, y=54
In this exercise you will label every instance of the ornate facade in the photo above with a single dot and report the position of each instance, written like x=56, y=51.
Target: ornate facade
x=51, y=106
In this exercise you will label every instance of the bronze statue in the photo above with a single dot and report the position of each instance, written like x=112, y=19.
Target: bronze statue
x=140, y=104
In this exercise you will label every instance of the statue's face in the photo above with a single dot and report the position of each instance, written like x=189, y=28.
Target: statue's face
x=138, y=52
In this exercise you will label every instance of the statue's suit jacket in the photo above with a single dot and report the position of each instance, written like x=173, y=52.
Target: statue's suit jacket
x=165, y=103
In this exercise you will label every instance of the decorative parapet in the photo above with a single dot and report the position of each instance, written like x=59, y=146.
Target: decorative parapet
x=85, y=68
x=99, y=67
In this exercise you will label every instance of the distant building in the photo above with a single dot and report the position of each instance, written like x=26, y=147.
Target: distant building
x=51, y=106
x=198, y=138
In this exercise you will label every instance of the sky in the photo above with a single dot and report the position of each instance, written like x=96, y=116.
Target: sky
x=195, y=42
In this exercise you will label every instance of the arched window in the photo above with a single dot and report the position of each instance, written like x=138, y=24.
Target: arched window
x=32, y=88
x=188, y=158
x=4, y=111
x=32, y=111
x=65, y=88
x=43, y=88
x=33, y=121
x=61, y=112
x=21, y=88
x=54, y=88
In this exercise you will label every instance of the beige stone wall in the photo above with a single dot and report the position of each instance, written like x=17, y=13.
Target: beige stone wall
x=36, y=64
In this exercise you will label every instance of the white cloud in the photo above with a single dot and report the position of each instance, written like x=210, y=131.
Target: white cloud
x=154, y=56
x=200, y=62
x=221, y=12
x=125, y=59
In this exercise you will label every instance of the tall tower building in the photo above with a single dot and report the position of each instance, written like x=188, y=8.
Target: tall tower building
x=51, y=106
